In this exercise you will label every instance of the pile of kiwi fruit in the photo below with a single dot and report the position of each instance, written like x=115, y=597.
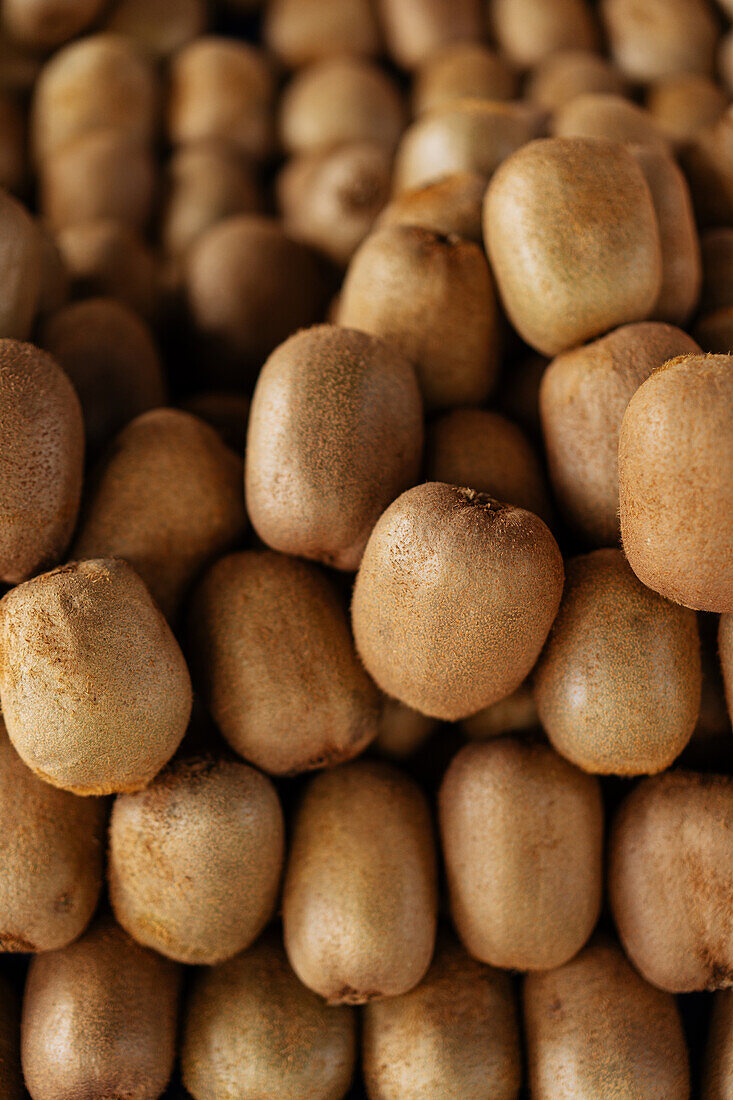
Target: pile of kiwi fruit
x=366, y=549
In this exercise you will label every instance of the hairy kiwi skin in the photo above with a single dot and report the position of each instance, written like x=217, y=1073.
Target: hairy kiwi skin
x=360, y=897
x=42, y=437
x=275, y=663
x=725, y=646
x=595, y=1028
x=453, y=1036
x=433, y=623
x=670, y=878
x=195, y=860
x=11, y=1078
x=675, y=485
x=335, y=434
x=95, y=692
x=618, y=684
x=99, y=1019
x=717, y=1077
x=522, y=835
x=252, y=1029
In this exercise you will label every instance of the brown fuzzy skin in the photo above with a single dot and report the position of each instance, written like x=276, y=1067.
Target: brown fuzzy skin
x=454, y=599
x=454, y=1036
x=714, y=331
x=708, y=164
x=222, y=89
x=11, y=1077
x=596, y=1029
x=618, y=684
x=491, y=454
x=683, y=104
x=20, y=268
x=609, y=117
x=670, y=875
x=583, y=397
x=433, y=298
x=195, y=860
x=95, y=691
x=462, y=70
x=360, y=898
x=450, y=207
x=417, y=29
x=561, y=76
x=46, y=24
x=515, y=714
x=725, y=648
x=335, y=434
x=252, y=1029
x=226, y=411
x=42, y=444
x=717, y=1077
x=530, y=30
x=573, y=240
x=300, y=32
x=168, y=499
x=464, y=135
x=717, y=269
x=522, y=837
x=402, y=731
x=51, y=858
x=654, y=38
x=106, y=258
x=99, y=1020
x=675, y=486
x=160, y=26
x=276, y=666
x=12, y=143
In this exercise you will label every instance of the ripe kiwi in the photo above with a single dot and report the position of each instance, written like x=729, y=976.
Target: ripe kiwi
x=529, y=30
x=675, y=488
x=453, y=1036
x=462, y=70
x=106, y=258
x=11, y=1077
x=20, y=268
x=684, y=103
x=561, y=287
x=610, y=117
x=522, y=835
x=226, y=411
x=583, y=397
x=95, y=691
x=12, y=143
x=42, y=444
x=432, y=297
x=360, y=900
x=160, y=26
x=717, y=269
x=670, y=875
x=299, y=32
x=252, y=1029
x=516, y=713
x=51, y=857
x=99, y=1019
x=454, y=599
x=195, y=860
x=717, y=1076
x=725, y=647
x=416, y=29
x=595, y=1028
x=618, y=684
x=275, y=663
x=561, y=76
x=402, y=731
x=109, y=354
x=335, y=434
x=491, y=454
x=654, y=38
x=449, y=207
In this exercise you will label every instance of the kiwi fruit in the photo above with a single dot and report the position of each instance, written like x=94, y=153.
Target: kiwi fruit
x=275, y=663
x=335, y=434
x=99, y=1019
x=402, y=731
x=95, y=692
x=560, y=76
x=522, y=837
x=195, y=859
x=454, y=599
x=462, y=70
x=11, y=1077
x=360, y=899
x=483, y=449
x=683, y=104
x=517, y=713
x=450, y=207
x=432, y=298
x=225, y=410
x=583, y=397
x=561, y=288
x=717, y=1075
x=725, y=647
x=654, y=38
x=595, y=1028
x=110, y=356
x=605, y=703
x=52, y=860
x=160, y=26
x=416, y=29
x=675, y=489
x=106, y=258
x=12, y=143
x=299, y=32
x=453, y=1036
x=669, y=880
x=529, y=30
x=717, y=269
x=609, y=117
x=20, y=269
x=707, y=162
x=46, y=24
x=42, y=436
x=253, y=1029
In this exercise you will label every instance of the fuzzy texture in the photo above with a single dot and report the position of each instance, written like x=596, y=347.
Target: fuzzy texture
x=565, y=74
x=95, y=691
x=573, y=240
x=252, y=1029
x=168, y=499
x=454, y=1036
x=454, y=599
x=717, y=1077
x=675, y=485
x=42, y=448
x=530, y=30
x=416, y=29
x=725, y=647
x=618, y=684
x=20, y=268
x=51, y=859
x=99, y=1019
x=583, y=398
x=11, y=1077
x=462, y=70
x=300, y=32
x=335, y=434
x=653, y=38
x=595, y=1028
x=522, y=834
x=450, y=207
x=670, y=880
x=360, y=897
x=276, y=665
x=195, y=860
x=610, y=117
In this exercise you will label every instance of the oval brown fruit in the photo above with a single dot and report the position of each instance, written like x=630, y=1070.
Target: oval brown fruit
x=415, y=29
x=20, y=268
